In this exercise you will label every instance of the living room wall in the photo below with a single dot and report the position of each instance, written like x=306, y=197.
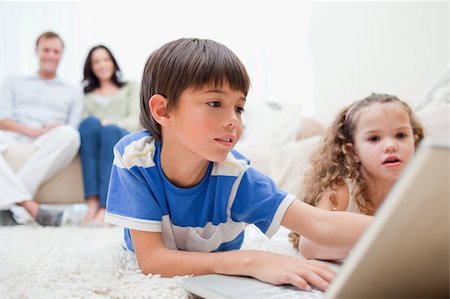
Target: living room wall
x=270, y=37
x=321, y=55
x=396, y=47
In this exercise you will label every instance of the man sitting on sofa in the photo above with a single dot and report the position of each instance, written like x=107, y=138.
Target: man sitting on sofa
x=39, y=111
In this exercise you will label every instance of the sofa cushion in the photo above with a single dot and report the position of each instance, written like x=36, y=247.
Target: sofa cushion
x=66, y=187
x=285, y=164
x=436, y=121
x=434, y=108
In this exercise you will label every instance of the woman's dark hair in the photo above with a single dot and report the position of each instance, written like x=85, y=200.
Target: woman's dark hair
x=90, y=80
x=188, y=63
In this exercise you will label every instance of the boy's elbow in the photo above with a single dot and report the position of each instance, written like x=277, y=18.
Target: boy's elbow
x=305, y=249
x=147, y=267
x=155, y=268
x=310, y=250
x=146, y=271
x=152, y=264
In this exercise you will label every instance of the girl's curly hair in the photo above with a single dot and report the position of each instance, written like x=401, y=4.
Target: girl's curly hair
x=333, y=163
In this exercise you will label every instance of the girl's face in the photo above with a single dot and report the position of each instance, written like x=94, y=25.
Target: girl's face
x=384, y=140
x=102, y=64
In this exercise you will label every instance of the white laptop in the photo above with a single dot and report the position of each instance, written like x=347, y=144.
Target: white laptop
x=403, y=254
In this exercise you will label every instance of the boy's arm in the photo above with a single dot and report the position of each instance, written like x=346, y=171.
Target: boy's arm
x=311, y=250
x=338, y=229
x=154, y=257
x=331, y=200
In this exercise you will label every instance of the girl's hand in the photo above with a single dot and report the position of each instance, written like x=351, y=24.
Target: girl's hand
x=297, y=271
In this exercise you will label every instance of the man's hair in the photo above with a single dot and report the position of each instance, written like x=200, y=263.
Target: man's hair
x=48, y=34
x=188, y=63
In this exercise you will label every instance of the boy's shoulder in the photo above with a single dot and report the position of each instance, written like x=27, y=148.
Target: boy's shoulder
x=135, y=147
x=138, y=146
x=235, y=164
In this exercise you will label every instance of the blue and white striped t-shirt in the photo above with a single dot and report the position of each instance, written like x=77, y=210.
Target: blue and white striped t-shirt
x=210, y=216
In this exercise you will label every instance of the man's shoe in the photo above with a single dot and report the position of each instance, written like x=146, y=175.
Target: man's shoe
x=50, y=218
x=7, y=218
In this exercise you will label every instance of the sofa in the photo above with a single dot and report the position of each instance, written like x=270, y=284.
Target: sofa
x=276, y=139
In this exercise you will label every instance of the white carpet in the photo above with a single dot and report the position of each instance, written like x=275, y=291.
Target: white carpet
x=77, y=262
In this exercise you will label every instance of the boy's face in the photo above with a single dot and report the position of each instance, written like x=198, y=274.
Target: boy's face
x=206, y=122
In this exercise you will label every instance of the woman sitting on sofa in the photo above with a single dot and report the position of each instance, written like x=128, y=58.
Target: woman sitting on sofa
x=111, y=111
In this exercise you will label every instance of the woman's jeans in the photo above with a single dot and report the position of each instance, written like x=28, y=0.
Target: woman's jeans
x=96, y=151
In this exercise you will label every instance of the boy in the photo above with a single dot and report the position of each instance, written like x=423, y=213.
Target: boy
x=184, y=196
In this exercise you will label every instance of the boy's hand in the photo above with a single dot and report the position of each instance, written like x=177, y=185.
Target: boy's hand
x=154, y=257
x=279, y=269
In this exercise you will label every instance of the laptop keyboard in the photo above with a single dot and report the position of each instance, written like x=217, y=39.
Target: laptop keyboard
x=289, y=292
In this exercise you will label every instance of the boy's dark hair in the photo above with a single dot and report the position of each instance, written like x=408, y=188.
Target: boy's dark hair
x=188, y=63
x=90, y=80
x=48, y=34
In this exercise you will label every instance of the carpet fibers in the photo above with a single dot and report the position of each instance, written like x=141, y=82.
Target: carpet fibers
x=79, y=262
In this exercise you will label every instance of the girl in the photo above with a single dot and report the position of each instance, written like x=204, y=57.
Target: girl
x=111, y=111
x=362, y=156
